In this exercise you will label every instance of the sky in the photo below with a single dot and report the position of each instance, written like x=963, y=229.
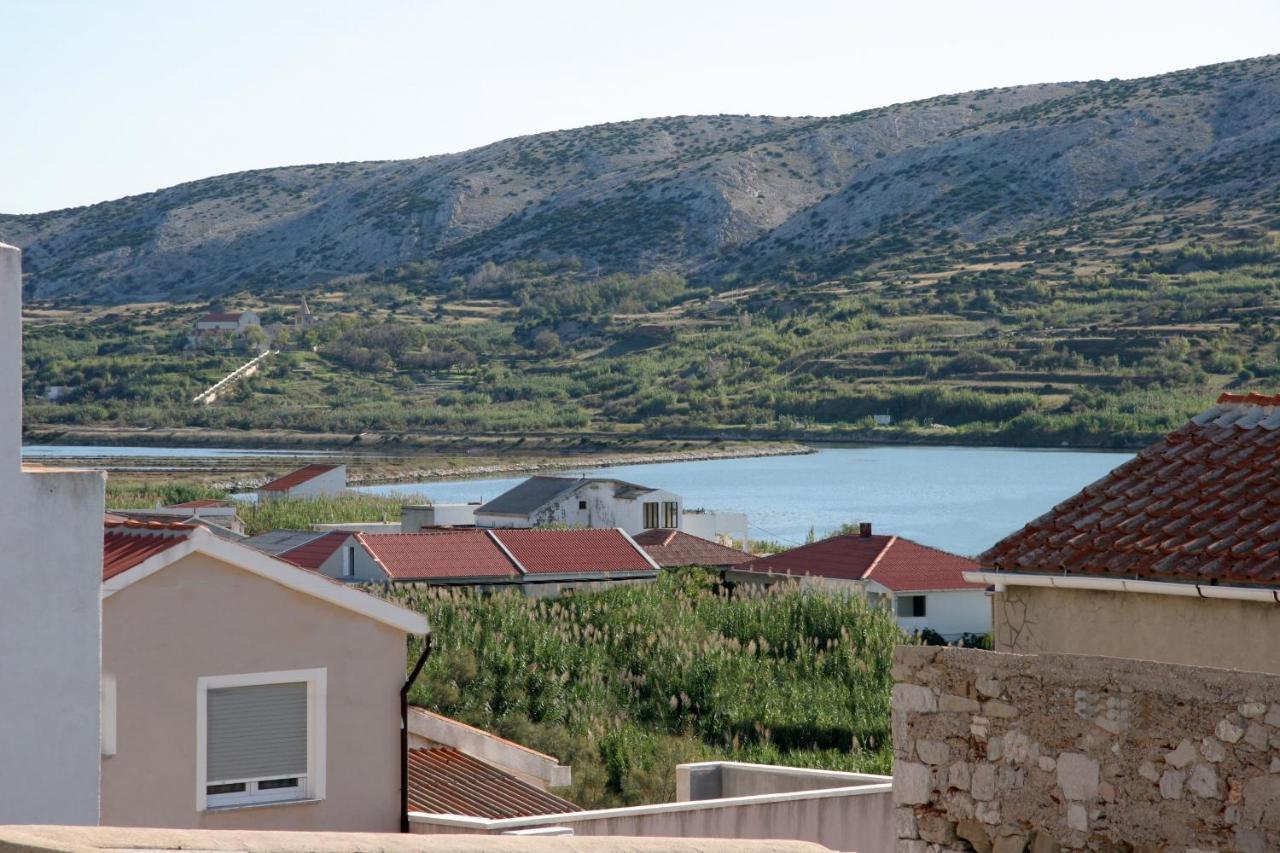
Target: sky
x=108, y=98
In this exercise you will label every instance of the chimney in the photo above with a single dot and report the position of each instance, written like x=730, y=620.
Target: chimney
x=864, y=529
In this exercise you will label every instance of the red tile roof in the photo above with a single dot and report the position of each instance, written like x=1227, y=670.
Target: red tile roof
x=672, y=548
x=573, y=551
x=127, y=543
x=201, y=504
x=891, y=561
x=443, y=780
x=294, y=478
x=1201, y=504
x=312, y=555
x=443, y=555
x=217, y=317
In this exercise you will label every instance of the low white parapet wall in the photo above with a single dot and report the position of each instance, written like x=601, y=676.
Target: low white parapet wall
x=855, y=813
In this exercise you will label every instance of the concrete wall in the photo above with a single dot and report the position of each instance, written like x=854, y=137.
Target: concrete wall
x=328, y=484
x=1007, y=751
x=50, y=627
x=200, y=617
x=1174, y=629
x=849, y=818
x=952, y=613
x=415, y=518
x=710, y=780
x=715, y=525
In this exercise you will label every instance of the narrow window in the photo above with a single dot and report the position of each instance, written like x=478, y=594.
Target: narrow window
x=349, y=561
x=651, y=514
x=670, y=514
x=582, y=504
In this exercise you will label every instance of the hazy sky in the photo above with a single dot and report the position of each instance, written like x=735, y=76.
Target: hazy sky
x=106, y=98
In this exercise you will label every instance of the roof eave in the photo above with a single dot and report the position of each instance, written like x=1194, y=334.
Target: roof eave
x=1000, y=580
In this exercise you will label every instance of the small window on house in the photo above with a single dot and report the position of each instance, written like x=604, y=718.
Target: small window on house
x=261, y=738
x=582, y=504
x=911, y=606
x=651, y=514
x=670, y=514
x=349, y=561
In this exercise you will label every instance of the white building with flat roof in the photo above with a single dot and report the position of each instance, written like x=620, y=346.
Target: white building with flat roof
x=50, y=613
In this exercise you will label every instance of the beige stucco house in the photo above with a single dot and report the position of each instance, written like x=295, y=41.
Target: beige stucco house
x=242, y=692
x=1174, y=556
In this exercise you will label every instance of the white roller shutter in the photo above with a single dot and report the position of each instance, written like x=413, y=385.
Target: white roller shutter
x=257, y=732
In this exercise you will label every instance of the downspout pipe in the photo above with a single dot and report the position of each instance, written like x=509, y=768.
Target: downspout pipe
x=404, y=731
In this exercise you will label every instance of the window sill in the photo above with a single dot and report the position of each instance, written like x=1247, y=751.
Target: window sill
x=242, y=806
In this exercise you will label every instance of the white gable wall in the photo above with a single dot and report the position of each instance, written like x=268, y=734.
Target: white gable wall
x=952, y=613
x=50, y=613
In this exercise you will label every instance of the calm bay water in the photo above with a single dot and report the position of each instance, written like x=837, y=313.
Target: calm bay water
x=957, y=498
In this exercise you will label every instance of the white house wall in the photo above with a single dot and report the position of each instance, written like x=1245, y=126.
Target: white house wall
x=952, y=613
x=50, y=613
x=328, y=484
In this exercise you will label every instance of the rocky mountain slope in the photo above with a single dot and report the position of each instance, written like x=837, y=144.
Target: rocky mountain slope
x=706, y=195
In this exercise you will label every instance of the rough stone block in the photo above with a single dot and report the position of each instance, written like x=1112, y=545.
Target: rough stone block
x=1077, y=776
x=912, y=846
x=1077, y=817
x=1256, y=736
x=1252, y=710
x=1016, y=843
x=1149, y=771
x=978, y=727
x=1182, y=756
x=1273, y=715
x=988, y=813
x=1204, y=782
x=905, y=822
x=1228, y=731
x=912, y=783
x=976, y=834
x=958, y=775
x=1213, y=749
x=983, y=782
x=992, y=708
x=1171, y=784
x=933, y=751
x=1043, y=842
x=989, y=687
x=914, y=699
x=1020, y=749
x=936, y=828
x=995, y=749
x=951, y=703
x=1046, y=763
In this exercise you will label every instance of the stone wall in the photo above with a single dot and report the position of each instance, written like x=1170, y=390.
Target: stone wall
x=1003, y=752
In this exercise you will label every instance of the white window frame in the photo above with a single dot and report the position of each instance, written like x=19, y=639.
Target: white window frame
x=311, y=786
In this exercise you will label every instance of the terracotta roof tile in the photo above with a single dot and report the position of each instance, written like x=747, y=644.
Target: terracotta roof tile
x=441, y=555
x=895, y=563
x=599, y=550
x=294, y=478
x=1202, y=504
x=443, y=780
x=127, y=543
x=673, y=548
x=313, y=554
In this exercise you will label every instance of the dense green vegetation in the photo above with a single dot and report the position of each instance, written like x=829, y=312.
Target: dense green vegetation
x=1013, y=342
x=627, y=682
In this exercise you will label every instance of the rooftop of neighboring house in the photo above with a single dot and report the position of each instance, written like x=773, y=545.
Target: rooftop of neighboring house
x=313, y=553
x=277, y=541
x=207, y=503
x=442, y=555
x=185, y=518
x=1202, y=504
x=444, y=780
x=150, y=546
x=504, y=555
x=602, y=550
x=536, y=492
x=673, y=548
x=895, y=563
x=297, y=478
x=221, y=317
